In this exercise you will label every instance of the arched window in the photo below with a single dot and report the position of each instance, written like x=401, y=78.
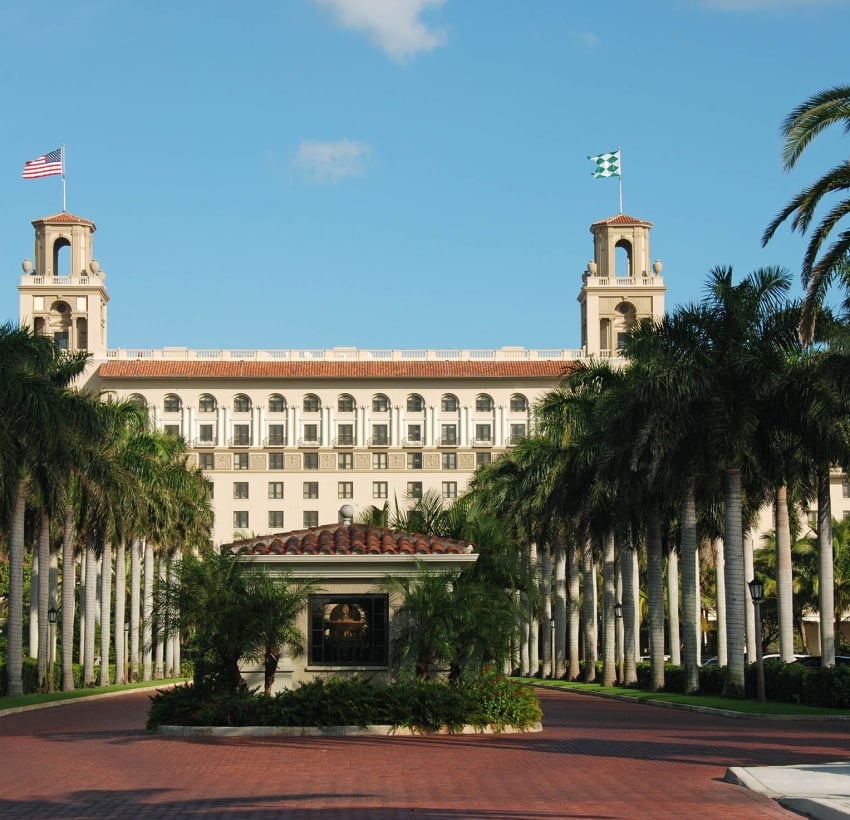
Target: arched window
x=207, y=404
x=448, y=404
x=311, y=403
x=241, y=403
x=380, y=403
x=415, y=403
x=172, y=404
x=483, y=403
x=345, y=403
x=138, y=398
x=276, y=403
x=519, y=403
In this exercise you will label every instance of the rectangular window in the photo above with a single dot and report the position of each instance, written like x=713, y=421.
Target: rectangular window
x=275, y=489
x=380, y=489
x=311, y=461
x=517, y=432
x=241, y=435
x=345, y=435
x=450, y=489
x=240, y=519
x=240, y=461
x=483, y=432
x=206, y=461
x=348, y=630
x=276, y=520
x=414, y=489
x=345, y=489
x=483, y=458
x=311, y=433
x=345, y=461
x=311, y=489
x=240, y=489
x=277, y=437
x=311, y=519
x=448, y=434
x=845, y=489
x=275, y=461
x=171, y=430
x=414, y=432
x=380, y=435
x=380, y=461
x=206, y=433
x=449, y=461
x=414, y=461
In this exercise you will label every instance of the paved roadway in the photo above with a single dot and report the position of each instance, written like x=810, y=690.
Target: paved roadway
x=596, y=758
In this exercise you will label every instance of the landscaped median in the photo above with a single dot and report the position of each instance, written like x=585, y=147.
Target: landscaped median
x=341, y=706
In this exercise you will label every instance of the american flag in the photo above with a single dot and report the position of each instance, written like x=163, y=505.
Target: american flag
x=47, y=165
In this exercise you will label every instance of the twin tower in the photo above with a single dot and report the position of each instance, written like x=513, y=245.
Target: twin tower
x=63, y=293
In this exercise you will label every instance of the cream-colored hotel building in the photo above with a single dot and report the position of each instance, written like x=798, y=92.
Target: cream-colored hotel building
x=289, y=436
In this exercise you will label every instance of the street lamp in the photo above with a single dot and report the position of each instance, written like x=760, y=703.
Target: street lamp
x=757, y=594
x=51, y=622
x=552, y=645
x=618, y=614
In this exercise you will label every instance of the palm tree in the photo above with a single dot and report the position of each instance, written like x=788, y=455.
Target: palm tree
x=800, y=127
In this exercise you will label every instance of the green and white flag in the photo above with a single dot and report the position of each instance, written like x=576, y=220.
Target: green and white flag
x=607, y=165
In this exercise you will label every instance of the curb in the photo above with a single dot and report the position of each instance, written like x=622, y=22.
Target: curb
x=375, y=730
x=52, y=704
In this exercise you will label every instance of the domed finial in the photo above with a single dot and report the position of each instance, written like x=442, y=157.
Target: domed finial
x=94, y=267
x=657, y=267
x=27, y=266
x=346, y=512
x=591, y=267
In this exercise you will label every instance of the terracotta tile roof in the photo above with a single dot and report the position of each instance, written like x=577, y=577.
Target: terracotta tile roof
x=355, y=539
x=622, y=219
x=70, y=219
x=167, y=369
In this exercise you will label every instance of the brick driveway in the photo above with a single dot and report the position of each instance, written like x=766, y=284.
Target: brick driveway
x=595, y=758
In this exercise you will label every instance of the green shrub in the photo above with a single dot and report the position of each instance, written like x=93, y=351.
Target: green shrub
x=492, y=700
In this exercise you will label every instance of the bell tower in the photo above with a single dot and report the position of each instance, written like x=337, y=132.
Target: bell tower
x=64, y=295
x=620, y=286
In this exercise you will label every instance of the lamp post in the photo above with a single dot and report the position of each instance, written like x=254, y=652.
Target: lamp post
x=757, y=594
x=51, y=623
x=126, y=650
x=552, y=645
x=618, y=615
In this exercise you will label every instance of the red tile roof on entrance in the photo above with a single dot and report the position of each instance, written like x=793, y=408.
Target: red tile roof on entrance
x=64, y=217
x=355, y=539
x=621, y=219
x=167, y=369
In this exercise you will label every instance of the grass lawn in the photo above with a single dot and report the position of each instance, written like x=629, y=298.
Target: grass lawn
x=39, y=699
x=745, y=706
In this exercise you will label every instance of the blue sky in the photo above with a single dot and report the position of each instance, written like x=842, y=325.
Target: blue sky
x=401, y=173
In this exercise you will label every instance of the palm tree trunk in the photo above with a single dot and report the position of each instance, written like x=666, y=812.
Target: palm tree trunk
x=523, y=622
x=147, y=614
x=609, y=598
x=534, y=623
x=574, y=604
x=546, y=588
x=588, y=610
x=784, y=588
x=655, y=591
x=91, y=607
x=826, y=572
x=673, y=607
x=69, y=591
x=43, y=598
x=120, y=606
x=105, y=611
x=168, y=638
x=690, y=590
x=162, y=637
x=33, y=621
x=135, y=601
x=176, y=659
x=81, y=649
x=627, y=571
x=15, y=622
x=720, y=602
x=733, y=539
x=559, y=661
x=752, y=631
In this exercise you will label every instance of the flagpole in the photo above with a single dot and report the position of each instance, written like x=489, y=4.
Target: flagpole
x=620, y=153
x=64, y=209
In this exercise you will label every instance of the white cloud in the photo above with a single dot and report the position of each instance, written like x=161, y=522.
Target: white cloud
x=589, y=39
x=330, y=162
x=393, y=25
x=752, y=5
